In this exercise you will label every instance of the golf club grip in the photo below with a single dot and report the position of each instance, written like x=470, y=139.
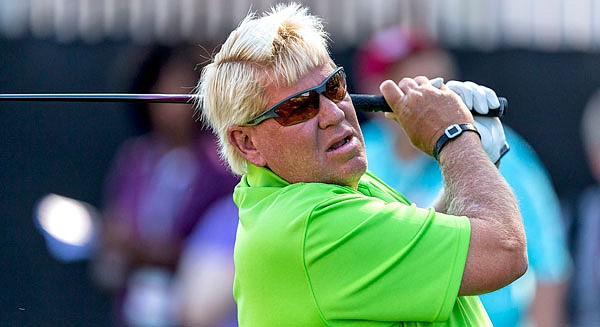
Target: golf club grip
x=376, y=103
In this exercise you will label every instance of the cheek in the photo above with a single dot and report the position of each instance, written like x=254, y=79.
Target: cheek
x=293, y=161
x=287, y=148
x=297, y=148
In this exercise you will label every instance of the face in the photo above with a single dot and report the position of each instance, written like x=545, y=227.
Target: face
x=327, y=148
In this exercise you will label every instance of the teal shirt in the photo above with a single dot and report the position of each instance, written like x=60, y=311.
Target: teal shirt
x=314, y=254
x=418, y=178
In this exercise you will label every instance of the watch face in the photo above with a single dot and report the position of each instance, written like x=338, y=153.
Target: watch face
x=453, y=131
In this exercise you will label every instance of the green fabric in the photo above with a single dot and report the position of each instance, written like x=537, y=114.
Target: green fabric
x=314, y=254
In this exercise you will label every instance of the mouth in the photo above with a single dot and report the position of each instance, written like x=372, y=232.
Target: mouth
x=340, y=143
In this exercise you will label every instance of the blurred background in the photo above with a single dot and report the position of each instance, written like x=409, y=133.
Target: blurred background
x=543, y=55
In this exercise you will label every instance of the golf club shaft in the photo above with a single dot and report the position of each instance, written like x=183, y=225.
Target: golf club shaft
x=362, y=102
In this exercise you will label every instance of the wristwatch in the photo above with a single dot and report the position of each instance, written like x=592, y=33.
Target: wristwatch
x=452, y=132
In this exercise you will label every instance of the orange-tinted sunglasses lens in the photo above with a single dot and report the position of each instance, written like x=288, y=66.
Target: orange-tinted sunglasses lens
x=303, y=106
x=306, y=105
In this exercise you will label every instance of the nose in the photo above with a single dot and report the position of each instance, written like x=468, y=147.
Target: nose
x=329, y=112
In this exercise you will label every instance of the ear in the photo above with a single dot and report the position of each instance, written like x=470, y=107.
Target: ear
x=241, y=137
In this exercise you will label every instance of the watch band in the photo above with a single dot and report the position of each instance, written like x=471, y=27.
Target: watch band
x=451, y=132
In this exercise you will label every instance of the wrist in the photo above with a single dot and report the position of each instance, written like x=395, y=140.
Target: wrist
x=450, y=133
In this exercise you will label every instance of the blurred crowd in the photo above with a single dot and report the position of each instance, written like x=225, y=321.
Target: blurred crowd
x=169, y=222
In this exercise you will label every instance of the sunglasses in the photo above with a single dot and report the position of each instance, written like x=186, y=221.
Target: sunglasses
x=304, y=105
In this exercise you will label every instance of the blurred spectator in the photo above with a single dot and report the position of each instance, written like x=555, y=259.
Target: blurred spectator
x=584, y=218
x=159, y=186
x=393, y=54
x=206, y=270
x=539, y=295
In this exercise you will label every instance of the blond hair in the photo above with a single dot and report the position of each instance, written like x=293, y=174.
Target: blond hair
x=277, y=48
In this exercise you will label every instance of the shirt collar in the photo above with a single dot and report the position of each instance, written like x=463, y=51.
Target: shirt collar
x=262, y=176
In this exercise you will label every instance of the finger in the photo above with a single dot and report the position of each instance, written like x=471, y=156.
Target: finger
x=437, y=82
x=492, y=98
x=407, y=83
x=463, y=91
x=422, y=80
x=392, y=93
x=479, y=98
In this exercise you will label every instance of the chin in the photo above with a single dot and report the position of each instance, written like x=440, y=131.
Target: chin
x=353, y=172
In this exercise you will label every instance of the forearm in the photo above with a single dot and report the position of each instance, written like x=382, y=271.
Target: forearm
x=439, y=204
x=473, y=187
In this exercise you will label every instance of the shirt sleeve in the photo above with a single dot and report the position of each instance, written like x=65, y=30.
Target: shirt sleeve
x=368, y=259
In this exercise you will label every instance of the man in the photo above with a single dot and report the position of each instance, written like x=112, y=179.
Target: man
x=321, y=241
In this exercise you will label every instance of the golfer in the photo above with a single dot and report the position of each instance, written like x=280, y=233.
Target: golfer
x=323, y=242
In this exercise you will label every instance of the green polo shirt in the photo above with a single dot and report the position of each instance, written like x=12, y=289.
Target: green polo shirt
x=314, y=254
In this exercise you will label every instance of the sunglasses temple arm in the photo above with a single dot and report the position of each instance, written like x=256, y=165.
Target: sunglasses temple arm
x=377, y=103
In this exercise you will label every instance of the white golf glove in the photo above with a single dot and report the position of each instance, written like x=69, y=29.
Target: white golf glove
x=480, y=99
x=492, y=137
x=476, y=97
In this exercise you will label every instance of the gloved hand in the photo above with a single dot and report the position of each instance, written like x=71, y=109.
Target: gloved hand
x=476, y=97
x=481, y=99
x=492, y=137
